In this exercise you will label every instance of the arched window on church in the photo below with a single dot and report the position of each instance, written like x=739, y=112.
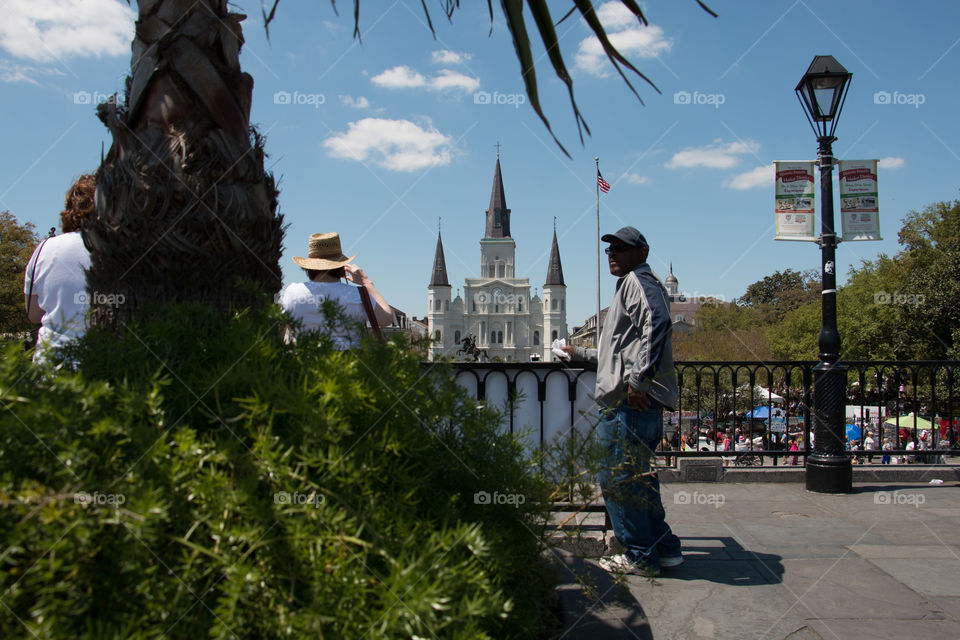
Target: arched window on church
x=436, y=304
x=493, y=271
x=536, y=338
x=499, y=337
x=553, y=304
x=493, y=337
x=456, y=337
x=554, y=335
x=500, y=270
x=436, y=335
x=520, y=305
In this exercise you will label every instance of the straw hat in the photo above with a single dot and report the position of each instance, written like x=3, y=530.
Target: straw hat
x=324, y=253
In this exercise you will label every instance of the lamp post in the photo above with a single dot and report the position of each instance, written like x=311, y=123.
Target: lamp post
x=822, y=91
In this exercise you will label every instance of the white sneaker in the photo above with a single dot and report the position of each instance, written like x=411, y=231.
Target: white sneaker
x=623, y=565
x=671, y=561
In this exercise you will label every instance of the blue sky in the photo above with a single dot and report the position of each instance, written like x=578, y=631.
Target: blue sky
x=378, y=139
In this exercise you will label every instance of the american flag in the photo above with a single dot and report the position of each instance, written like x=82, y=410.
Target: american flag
x=603, y=184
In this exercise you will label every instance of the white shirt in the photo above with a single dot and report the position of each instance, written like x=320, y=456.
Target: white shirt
x=57, y=270
x=304, y=301
x=870, y=443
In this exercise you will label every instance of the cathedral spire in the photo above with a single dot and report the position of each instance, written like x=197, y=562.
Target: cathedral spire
x=498, y=216
x=439, y=276
x=555, y=269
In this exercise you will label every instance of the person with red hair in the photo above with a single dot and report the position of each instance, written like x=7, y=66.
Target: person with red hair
x=55, y=282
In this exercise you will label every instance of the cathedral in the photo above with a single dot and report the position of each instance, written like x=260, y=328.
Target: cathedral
x=497, y=311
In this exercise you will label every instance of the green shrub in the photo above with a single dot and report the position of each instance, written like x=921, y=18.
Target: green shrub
x=197, y=477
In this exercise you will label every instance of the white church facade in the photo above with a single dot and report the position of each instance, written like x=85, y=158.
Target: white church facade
x=497, y=310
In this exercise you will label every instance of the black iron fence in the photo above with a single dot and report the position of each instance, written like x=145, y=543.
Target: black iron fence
x=896, y=410
x=747, y=412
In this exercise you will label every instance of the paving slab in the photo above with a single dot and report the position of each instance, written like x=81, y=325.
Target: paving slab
x=772, y=560
x=928, y=576
x=883, y=629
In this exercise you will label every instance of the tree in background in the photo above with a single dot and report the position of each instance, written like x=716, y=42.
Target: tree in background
x=930, y=300
x=781, y=292
x=903, y=307
x=724, y=332
x=186, y=210
x=17, y=242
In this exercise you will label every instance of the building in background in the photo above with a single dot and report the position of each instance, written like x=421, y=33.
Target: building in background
x=497, y=310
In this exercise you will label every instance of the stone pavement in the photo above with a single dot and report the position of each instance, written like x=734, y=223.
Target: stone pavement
x=771, y=560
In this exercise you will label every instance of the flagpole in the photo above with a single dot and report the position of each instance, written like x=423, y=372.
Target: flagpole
x=597, y=187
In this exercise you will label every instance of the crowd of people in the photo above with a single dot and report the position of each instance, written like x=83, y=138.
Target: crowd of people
x=919, y=450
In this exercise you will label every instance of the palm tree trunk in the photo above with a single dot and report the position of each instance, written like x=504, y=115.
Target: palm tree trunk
x=185, y=210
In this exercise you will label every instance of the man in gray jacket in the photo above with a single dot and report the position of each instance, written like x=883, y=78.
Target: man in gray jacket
x=635, y=381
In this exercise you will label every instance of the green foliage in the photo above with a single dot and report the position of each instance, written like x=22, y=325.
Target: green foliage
x=200, y=478
x=724, y=332
x=17, y=242
x=778, y=294
x=931, y=255
x=903, y=307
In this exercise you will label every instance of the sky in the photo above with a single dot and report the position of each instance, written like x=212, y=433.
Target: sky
x=386, y=138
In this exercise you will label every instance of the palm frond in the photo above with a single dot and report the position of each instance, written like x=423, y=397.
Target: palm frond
x=544, y=22
x=513, y=14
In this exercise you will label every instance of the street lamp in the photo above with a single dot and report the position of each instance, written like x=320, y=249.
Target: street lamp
x=822, y=91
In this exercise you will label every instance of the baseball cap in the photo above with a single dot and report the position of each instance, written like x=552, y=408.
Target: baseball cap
x=627, y=235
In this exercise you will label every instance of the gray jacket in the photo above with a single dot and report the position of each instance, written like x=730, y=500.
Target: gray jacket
x=635, y=344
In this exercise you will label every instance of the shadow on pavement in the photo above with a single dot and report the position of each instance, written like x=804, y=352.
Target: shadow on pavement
x=725, y=561
x=594, y=605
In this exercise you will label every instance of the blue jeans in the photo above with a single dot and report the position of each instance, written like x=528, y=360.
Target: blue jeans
x=633, y=500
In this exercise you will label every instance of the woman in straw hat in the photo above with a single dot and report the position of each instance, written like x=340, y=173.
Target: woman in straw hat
x=325, y=265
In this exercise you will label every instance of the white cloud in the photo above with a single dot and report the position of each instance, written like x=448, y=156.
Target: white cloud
x=636, y=178
x=11, y=72
x=715, y=156
x=396, y=145
x=403, y=77
x=49, y=30
x=355, y=103
x=399, y=77
x=891, y=162
x=453, y=80
x=445, y=56
x=616, y=15
x=757, y=177
x=626, y=34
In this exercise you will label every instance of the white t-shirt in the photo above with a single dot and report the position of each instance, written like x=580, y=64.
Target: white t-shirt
x=304, y=300
x=57, y=270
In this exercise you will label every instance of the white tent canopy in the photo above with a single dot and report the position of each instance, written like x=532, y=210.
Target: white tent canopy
x=762, y=395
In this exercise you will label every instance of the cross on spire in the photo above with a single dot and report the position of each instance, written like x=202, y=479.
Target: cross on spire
x=498, y=145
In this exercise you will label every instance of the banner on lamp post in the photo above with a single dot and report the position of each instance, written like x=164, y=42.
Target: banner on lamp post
x=859, y=210
x=795, y=201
